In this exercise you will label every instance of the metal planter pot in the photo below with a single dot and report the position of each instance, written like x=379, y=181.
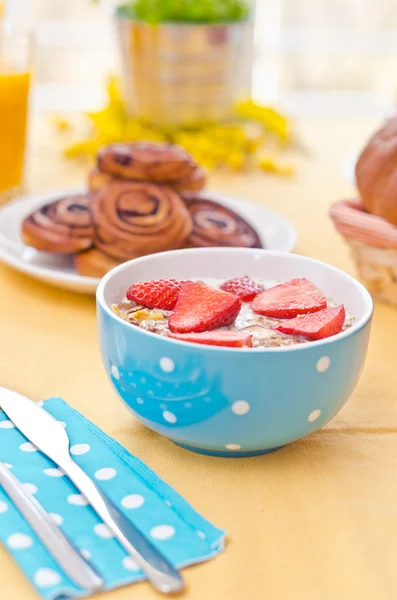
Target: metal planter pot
x=183, y=74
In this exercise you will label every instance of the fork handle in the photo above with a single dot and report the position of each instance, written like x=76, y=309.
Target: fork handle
x=60, y=547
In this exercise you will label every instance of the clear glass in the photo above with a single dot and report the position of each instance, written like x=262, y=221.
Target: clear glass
x=15, y=74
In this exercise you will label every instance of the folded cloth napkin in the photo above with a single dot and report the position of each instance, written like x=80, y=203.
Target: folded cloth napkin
x=171, y=523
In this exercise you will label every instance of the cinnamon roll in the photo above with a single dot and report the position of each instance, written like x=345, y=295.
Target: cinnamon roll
x=192, y=184
x=144, y=161
x=64, y=226
x=98, y=180
x=135, y=218
x=217, y=225
x=94, y=263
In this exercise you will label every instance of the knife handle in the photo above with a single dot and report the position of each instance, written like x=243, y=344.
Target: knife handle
x=63, y=551
x=157, y=568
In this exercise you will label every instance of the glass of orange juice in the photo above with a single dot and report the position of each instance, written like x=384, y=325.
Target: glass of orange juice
x=15, y=64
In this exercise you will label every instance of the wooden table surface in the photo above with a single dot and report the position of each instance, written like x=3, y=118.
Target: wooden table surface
x=316, y=520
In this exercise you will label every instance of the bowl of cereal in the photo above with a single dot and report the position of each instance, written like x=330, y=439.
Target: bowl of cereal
x=232, y=351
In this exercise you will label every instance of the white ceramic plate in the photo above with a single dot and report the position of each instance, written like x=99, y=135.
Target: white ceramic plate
x=276, y=232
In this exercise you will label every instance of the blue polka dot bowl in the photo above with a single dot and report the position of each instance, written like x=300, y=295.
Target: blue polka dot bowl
x=232, y=401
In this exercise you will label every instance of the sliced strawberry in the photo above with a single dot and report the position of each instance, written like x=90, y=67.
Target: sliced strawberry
x=158, y=293
x=232, y=339
x=242, y=287
x=290, y=299
x=202, y=308
x=317, y=326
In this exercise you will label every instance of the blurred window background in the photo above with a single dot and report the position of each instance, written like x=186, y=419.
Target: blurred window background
x=310, y=56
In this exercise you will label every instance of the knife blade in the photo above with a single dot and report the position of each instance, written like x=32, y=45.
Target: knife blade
x=51, y=438
x=59, y=546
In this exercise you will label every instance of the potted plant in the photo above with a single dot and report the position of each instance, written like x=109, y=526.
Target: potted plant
x=185, y=62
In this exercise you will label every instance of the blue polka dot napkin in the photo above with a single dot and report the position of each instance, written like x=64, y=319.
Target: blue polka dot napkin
x=174, y=526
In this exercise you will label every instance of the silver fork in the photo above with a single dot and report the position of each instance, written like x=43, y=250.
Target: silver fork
x=61, y=548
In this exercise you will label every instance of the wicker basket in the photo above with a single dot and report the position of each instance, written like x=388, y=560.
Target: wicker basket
x=373, y=243
x=377, y=269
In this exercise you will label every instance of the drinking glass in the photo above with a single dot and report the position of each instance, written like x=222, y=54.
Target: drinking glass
x=15, y=67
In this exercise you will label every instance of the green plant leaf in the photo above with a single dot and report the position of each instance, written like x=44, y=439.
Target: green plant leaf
x=186, y=11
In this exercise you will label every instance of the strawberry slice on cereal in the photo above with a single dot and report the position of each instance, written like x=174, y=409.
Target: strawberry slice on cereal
x=242, y=287
x=231, y=339
x=158, y=293
x=317, y=326
x=202, y=308
x=290, y=299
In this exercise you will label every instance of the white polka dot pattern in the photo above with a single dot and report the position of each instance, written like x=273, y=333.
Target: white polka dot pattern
x=314, y=415
x=27, y=447
x=167, y=364
x=169, y=417
x=57, y=518
x=7, y=425
x=46, y=578
x=78, y=449
x=77, y=500
x=103, y=531
x=30, y=488
x=162, y=532
x=240, y=407
x=323, y=364
x=130, y=564
x=68, y=507
x=132, y=501
x=19, y=541
x=105, y=474
x=53, y=472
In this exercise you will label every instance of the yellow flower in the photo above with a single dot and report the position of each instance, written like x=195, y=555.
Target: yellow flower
x=84, y=148
x=236, y=160
x=271, y=119
x=270, y=165
x=211, y=144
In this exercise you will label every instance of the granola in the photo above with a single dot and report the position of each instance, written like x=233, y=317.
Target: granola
x=247, y=321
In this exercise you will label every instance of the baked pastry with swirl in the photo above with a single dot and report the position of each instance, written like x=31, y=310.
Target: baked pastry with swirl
x=144, y=161
x=94, y=263
x=135, y=218
x=98, y=180
x=217, y=225
x=196, y=181
x=192, y=184
x=376, y=173
x=64, y=226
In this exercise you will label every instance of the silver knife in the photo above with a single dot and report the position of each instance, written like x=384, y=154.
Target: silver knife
x=62, y=550
x=49, y=436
